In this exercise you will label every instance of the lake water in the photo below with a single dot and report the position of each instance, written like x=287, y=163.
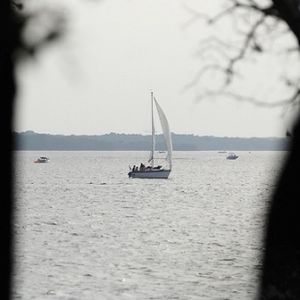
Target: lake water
x=84, y=230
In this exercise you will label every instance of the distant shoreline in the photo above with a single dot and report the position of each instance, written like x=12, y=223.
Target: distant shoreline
x=32, y=141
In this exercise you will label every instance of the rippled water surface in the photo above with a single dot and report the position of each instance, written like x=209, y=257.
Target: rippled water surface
x=84, y=230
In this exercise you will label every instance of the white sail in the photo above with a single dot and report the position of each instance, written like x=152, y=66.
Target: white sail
x=166, y=131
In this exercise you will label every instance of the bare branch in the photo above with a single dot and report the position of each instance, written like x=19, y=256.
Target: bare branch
x=250, y=37
x=292, y=100
x=221, y=14
x=195, y=16
x=201, y=73
x=252, y=31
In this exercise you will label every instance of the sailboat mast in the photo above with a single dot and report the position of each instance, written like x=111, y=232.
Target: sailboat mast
x=153, y=132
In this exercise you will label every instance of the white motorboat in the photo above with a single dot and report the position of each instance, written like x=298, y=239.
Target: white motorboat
x=42, y=159
x=232, y=156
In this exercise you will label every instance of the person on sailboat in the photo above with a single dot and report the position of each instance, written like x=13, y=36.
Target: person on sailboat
x=142, y=167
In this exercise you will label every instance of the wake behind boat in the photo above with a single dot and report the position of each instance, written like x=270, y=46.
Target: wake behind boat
x=153, y=171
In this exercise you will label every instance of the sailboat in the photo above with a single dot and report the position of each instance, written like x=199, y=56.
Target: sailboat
x=158, y=171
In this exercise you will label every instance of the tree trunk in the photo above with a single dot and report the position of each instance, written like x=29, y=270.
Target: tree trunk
x=8, y=39
x=281, y=265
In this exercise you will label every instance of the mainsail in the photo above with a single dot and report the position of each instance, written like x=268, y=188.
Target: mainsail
x=166, y=131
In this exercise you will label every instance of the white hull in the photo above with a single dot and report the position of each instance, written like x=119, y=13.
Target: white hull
x=163, y=174
x=232, y=156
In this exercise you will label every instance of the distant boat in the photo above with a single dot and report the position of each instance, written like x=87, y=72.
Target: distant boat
x=232, y=156
x=153, y=171
x=42, y=159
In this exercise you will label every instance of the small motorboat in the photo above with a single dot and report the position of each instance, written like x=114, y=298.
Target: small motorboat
x=42, y=159
x=232, y=156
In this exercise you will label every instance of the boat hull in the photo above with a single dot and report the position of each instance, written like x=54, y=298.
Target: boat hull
x=232, y=158
x=160, y=174
x=41, y=161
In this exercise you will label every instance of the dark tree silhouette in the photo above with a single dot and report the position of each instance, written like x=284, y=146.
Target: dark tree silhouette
x=280, y=277
x=281, y=264
x=9, y=36
x=13, y=19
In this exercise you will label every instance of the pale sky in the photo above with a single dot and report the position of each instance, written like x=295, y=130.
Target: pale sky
x=98, y=78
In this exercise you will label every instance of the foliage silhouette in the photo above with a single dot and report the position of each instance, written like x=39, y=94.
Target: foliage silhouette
x=280, y=277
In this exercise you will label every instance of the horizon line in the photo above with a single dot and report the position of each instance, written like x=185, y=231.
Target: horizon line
x=117, y=133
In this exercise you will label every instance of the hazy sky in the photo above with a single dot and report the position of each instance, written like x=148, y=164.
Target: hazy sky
x=98, y=78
